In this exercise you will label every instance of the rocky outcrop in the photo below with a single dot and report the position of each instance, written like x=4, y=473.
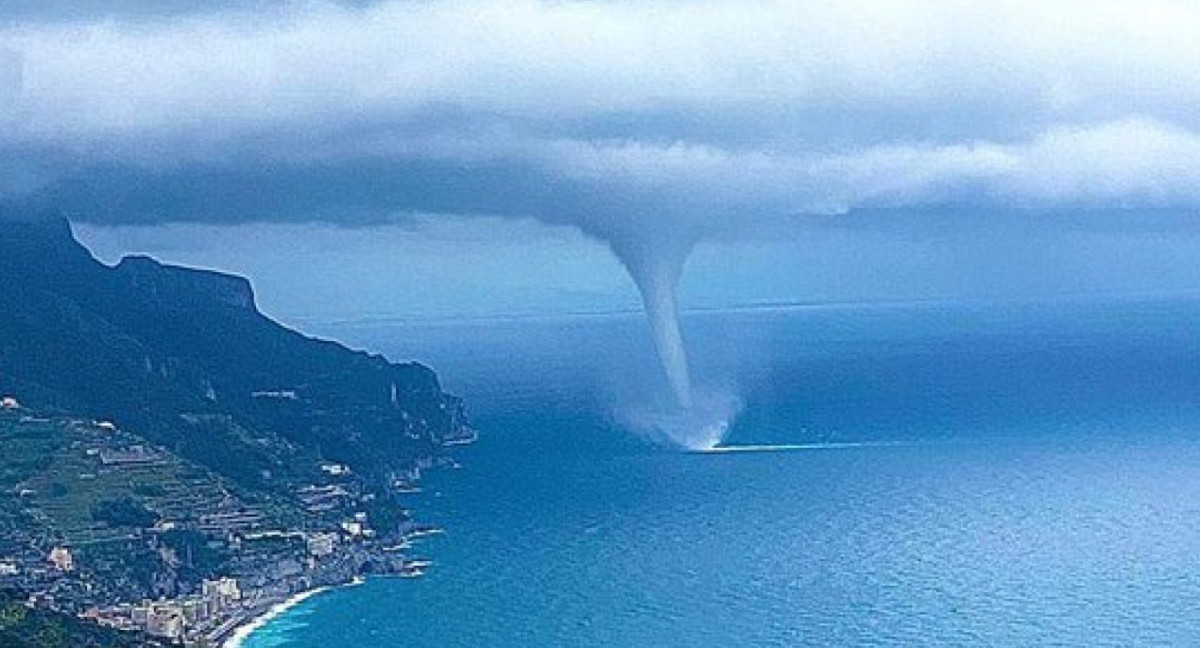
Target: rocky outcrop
x=185, y=288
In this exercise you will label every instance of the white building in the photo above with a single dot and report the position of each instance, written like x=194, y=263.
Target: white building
x=164, y=620
x=62, y=559
x=335, y=469
x=321, y=544
x=225, y=589
x=353, y=528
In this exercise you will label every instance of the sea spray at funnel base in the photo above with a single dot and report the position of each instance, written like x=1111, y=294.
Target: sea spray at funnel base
x=701, y=427
x=655, y=260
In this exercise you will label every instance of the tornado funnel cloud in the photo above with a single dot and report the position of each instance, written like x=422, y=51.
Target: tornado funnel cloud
x=698, y=419
x=656, y=269
x=658, y=295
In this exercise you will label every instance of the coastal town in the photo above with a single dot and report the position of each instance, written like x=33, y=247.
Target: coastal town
x=105, y=526
x=175, y=463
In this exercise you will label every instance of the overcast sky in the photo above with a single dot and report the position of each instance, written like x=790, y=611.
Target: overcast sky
x=857, y=149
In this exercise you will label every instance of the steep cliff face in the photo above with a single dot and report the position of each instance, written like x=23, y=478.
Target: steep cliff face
x=186, y=357
x=184, y=288
x=41, y=255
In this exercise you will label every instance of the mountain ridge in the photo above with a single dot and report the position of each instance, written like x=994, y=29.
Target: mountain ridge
x=145, y=342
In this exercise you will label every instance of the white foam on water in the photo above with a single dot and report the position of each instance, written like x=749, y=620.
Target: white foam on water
x=242, y=634
x=791, y=447
x=700, y=427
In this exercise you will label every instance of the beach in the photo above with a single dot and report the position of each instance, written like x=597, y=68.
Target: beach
x=245, y=625
x=254, y=622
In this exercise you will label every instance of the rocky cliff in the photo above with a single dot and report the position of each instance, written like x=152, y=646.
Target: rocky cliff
x=184, y=288
x=184, y=356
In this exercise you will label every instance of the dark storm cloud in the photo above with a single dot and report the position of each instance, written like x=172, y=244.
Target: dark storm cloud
x=699, y=117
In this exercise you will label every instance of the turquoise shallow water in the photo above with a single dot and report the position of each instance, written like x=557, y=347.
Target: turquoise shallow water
x=1031, y=476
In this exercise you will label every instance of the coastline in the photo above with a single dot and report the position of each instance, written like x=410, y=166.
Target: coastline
x=235, y=631
x=255, y=622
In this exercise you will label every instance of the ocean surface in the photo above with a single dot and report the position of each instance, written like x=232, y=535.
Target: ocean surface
x=974, y=475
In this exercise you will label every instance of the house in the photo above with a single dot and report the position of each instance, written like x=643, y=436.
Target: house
x=62, y=559
x=335, y=469
x=164, y=620
x=321, y=544
x=225, y=590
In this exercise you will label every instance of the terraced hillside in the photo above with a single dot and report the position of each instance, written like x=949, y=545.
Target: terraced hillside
x=174, y=461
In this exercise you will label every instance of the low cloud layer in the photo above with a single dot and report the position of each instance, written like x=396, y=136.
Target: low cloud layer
x=699, y=115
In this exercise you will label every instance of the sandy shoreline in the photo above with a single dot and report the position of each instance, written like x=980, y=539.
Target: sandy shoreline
x=258, y=621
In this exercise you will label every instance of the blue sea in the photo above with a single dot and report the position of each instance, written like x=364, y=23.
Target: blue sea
x=974, y=475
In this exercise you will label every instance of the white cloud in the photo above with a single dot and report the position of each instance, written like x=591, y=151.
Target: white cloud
x=562, y=60
x=711, y=111
x=1126, y=163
